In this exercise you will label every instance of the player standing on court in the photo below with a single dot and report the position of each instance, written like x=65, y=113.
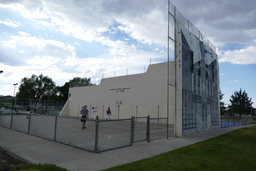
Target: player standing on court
x=92, y=116
x=108, y=114
x=84, y=112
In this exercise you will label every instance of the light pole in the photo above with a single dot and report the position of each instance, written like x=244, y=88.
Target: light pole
x=14, y=104
x=15, y=94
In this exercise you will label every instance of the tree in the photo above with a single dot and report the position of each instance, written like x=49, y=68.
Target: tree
x=222, y=105
x=75, y=82
x=240, y=102
x=37, y=87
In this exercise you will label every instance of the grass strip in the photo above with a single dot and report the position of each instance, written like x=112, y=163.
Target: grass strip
x=234, y=151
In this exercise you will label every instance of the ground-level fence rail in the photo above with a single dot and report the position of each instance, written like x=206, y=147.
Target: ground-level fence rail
x=98, y=136
x=227, y=121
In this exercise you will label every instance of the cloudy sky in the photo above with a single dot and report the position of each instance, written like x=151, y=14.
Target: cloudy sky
x=64, y=39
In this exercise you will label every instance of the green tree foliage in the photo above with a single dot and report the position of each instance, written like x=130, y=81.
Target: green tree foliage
x=221, y=97
x=75, y=82
x=63, y=91
x=37, y=87
x=240, y=102
x=222, y=105
x=43, y=88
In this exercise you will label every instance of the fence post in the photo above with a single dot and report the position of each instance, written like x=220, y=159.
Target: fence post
x=118, y=111
x=132, y=130
x=11, y=120
x=55, y=129
x=148, y=128
x=136, y=112
x=158, y=113
x=228, y=121
x=29, y=119
x=96, y=150
x=103, y=112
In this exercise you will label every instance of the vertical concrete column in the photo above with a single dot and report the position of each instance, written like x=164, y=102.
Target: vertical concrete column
x=178, y=81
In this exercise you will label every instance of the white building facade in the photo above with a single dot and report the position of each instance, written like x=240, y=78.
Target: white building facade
x=136, y=95
x=185, y=91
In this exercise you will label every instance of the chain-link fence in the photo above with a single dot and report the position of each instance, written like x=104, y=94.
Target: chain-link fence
x=99, y=135
x=227, y=121
x=19, y=105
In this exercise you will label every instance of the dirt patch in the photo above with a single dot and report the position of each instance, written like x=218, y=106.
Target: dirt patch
x=9, y=162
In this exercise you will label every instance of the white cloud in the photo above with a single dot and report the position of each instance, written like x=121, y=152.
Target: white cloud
x=231, y=82
x=233, y=21
x=242, y=56
x=10, y=43
x=40, y=43
x=10, y=23
x=95, y=23
x=145, y=29
x=22, y=33
x=76, y=43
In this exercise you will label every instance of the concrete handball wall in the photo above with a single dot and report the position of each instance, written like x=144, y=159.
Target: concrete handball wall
x=132, y=95
x=197, y=84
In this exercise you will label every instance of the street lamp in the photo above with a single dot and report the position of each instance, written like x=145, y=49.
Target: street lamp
x=14, y=93
x=1, y=71
x=14, y=88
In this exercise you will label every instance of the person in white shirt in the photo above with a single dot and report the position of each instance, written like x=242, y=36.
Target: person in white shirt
x=92, y=115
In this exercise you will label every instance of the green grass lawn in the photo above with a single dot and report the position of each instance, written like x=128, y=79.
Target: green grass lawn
x=234, y=151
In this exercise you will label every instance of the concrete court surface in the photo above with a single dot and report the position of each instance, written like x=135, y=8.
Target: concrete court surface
x=38, y=150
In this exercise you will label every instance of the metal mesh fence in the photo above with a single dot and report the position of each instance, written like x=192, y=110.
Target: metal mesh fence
x=42, y=126
x=19, y=105
x=113, y=134
x=158, y=128
x=227, y=121
x=246, y=120
x=140, y=129
x=99, y=135
x=69, y=131
x=20, y=123
x=5, y=121
x=174, y=13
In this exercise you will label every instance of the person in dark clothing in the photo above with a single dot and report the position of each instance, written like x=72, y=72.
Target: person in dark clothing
x=84, y=112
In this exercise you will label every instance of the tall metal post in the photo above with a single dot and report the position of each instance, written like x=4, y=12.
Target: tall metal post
x=158, y=113
x=136, y=112
x=96, y=150
x=103, y=112
x=13, y=108
x=55, y=129
x=14, y=95
x=29, y=121
x=132, y=130
x=118, y=110
x=148, y=128
x=168, y=68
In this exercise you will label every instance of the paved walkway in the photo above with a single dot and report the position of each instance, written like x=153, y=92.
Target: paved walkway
x=38, y=150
